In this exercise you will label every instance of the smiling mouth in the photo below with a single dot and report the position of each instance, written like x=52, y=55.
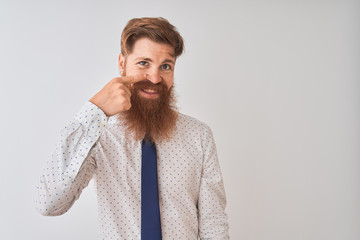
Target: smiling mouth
x=149, y=93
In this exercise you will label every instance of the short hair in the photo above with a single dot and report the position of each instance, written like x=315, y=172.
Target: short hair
x=156, y=29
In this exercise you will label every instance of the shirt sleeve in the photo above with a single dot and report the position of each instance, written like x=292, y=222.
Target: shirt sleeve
x=71, y=164
x=213, y=220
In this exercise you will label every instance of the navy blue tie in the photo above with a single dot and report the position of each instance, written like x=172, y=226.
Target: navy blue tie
x=150, y=211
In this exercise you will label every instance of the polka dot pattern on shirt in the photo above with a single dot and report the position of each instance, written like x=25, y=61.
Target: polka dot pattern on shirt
x=191, y=192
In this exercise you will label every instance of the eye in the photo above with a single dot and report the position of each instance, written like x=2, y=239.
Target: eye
x=142, y=63
x=166, y=66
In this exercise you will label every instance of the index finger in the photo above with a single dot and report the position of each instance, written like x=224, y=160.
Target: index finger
x=132, y=79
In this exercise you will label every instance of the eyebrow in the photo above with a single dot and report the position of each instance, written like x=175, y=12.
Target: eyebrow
x=150, y=60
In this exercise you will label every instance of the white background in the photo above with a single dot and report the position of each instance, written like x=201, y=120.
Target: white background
x=277, y=81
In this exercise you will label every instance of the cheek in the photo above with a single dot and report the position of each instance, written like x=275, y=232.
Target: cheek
x=134, y=70
x=139, y=69
x=169, y=82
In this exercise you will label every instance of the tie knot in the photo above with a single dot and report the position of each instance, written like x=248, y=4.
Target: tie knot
x=148, y=141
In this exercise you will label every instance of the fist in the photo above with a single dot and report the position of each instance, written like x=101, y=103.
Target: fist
x=115, y=95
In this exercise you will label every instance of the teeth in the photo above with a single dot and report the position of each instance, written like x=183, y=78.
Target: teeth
x=149, y=90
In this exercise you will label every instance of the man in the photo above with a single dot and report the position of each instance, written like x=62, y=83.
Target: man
x=156, y=170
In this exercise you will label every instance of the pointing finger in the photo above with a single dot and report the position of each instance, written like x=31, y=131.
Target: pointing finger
x=132, y=79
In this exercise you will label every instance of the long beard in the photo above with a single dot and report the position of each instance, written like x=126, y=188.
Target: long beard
x=154, y=119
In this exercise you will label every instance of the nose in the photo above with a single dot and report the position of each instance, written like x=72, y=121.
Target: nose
x=153, y=76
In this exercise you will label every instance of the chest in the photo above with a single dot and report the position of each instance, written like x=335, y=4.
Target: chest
x=179, y=164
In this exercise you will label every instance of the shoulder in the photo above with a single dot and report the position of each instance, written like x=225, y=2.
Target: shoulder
x=194, y=131
x=186, y=122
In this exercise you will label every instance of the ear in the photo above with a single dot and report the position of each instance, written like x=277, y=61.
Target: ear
x=121, y=62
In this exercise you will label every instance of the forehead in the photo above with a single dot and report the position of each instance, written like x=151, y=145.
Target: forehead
x=147, y=48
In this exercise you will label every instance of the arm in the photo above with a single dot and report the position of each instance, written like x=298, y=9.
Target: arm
x=72, y=164
x=213, y=222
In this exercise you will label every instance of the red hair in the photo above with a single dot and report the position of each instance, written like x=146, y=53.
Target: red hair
x=156, y=29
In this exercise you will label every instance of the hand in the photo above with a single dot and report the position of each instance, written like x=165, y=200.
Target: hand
x=115, y=95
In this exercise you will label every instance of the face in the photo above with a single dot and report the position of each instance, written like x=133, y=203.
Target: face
x=156, y=60
x=153, y=111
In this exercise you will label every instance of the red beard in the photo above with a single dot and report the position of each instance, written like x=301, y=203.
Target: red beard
x=154, y=119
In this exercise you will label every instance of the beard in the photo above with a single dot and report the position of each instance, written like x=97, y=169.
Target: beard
x=153, y=119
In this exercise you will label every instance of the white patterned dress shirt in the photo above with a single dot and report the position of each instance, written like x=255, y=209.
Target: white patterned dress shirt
x=191, y=191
